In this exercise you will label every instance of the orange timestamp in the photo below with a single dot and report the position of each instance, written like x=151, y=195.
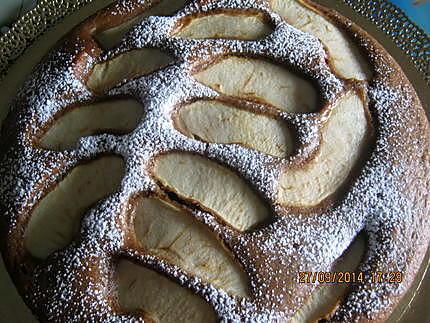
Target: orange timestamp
x=349, y=277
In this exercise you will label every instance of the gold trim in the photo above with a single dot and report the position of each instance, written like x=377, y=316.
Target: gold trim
x=391, y=20
x=29, y=27
x=388, y=18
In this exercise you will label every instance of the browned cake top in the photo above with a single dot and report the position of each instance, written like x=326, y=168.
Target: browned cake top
x=385, y=195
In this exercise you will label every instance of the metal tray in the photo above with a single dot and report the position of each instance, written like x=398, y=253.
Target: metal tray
x=22, y=47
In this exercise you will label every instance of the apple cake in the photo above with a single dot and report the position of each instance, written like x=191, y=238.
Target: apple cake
x=215, y=160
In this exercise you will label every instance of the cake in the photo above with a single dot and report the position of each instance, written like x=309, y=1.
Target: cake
x=202, y=161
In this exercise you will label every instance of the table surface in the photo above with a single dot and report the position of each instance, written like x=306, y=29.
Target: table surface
x=417, y=10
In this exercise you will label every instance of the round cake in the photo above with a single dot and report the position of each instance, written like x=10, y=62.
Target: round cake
x=215, y=160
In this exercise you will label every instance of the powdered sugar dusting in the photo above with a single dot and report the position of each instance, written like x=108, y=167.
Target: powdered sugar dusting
x=75, y=284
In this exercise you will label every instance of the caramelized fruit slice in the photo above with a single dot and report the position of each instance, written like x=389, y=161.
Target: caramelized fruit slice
x=213, y=186
x=126, y=66
x=161, y=299
x=176, y=236
x=218, y=122
x=343, y=53
x=260, y=80
x=56, y=219
x=114, y=115
x=231, y=25
x=326, y=297
x=343, y=139
x=109, y=38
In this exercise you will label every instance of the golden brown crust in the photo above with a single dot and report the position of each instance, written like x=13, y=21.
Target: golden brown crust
x=410, y=154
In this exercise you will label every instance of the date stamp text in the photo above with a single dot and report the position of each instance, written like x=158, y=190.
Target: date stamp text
x=349, y=277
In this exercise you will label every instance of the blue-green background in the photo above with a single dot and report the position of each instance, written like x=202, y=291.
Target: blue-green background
x=419, y=13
